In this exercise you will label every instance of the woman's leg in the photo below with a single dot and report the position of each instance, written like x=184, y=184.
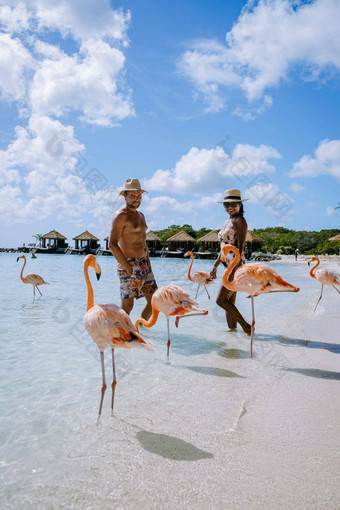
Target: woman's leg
x=226, y=299
x=231, y=321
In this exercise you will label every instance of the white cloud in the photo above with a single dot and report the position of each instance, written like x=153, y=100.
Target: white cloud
x=270, y=39
x=326, y=161
x=255, y=159
x=86, y=82
x=296, y=187
x=49, y=81
x=268, y=195
x=330, y=211
x=14, y=19
x=251, y=113
x=202, y=171
x=169, y=210
x=196, y=171
x=15, y=62
x=81, y=20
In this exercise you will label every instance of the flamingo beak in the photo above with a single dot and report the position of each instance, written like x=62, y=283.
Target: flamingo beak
x=18, y=258
x=98, y=275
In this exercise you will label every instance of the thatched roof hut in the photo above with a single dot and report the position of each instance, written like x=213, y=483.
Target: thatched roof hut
x=181, y=241
x=253, y=238
x=55, y=240
x=209, y=242
x=335, y=238
x=153, y=241
x=86, y=240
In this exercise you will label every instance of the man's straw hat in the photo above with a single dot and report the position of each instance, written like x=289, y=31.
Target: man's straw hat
x=232, y=195
x=132, y=185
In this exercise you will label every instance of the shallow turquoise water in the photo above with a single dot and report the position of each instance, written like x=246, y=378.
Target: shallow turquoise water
x=50, y=380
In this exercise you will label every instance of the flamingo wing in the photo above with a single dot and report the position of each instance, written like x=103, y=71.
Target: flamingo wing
x=202, y=278
x=110, y=326
x=34, y=279
x=259, y=278
x=327, y=277
x=173, y=300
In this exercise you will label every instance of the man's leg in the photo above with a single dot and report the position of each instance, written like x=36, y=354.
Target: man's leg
x=147, y=310
x=127, y=304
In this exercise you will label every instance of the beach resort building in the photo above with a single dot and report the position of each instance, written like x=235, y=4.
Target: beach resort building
x=86, y=242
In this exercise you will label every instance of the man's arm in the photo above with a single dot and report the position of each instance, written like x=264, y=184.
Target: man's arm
x=117, y=226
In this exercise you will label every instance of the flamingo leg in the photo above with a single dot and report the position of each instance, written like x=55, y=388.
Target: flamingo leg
x=39, y=290
x=206, y=290
x=336, y=288
x=103, y=386
x=198, y=288
x=178, y=318
x=319, y=298
x=252, y=326
x=168, y=343
x=114, y=381
x=34, y=291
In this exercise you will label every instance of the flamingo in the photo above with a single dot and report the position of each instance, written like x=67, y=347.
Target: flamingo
x=324, y=276
x=200, y=277
x=32, y=278
x=172, y=301
x=109, y=326
x=255, y=278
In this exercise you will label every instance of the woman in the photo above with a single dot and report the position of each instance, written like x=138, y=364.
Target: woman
x=234, y=231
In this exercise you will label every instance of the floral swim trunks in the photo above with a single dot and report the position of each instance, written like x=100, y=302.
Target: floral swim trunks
x=141, y=281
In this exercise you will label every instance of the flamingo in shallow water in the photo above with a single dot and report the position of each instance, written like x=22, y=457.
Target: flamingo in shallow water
x=255, y=278
x=172, y=301
x=32, y=278
x=200, y=277
x=324, y=276
x=109, y=326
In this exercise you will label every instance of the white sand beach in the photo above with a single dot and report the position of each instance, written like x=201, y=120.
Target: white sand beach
x=214, y=429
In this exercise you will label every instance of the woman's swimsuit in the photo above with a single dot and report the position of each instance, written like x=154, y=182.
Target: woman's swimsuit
x=227, y=235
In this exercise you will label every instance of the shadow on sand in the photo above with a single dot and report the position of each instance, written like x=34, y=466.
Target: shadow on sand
x=219, y=372
x=234, y=354
x=315, y=372
x=297, y=342
x=170, y=447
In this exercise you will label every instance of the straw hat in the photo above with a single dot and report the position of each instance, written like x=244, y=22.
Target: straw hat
x=232, y=195
x=132, y=185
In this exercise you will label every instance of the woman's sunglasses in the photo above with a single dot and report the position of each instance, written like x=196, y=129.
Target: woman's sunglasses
x=231, y=204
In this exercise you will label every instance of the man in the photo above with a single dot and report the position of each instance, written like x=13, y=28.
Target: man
x=127, y=243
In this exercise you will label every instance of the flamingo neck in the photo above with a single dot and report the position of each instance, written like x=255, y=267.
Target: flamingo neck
x=189, y=270
x=311, y=272
x=90, y=299
x=151, y=322
x=22, y=270
x=225, y=277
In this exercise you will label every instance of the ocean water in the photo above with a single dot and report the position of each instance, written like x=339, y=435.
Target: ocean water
x=212, y=428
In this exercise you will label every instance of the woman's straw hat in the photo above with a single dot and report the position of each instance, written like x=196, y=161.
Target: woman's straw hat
x=232, y=195
x=132, y=185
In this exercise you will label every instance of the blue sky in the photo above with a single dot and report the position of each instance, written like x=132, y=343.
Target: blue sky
x=190, y=97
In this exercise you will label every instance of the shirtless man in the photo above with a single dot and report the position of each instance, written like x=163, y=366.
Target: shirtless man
x=127, y=243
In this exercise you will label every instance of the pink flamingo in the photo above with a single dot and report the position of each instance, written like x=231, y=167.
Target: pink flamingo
x=324, y=276
x=109, y=326
x=32, y=278
x=256, y=278
x=172, y=301
x=200, y=277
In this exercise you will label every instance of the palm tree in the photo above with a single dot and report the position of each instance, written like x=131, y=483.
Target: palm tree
x=38, y=238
